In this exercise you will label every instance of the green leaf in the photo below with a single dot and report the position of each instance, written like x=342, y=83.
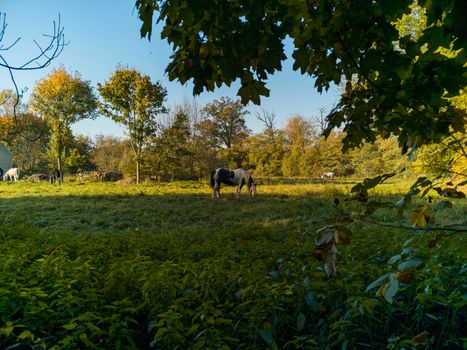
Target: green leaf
x=266, y=335
x=310, y=300
x=394, y=259
x=410, y=264
x=26, y=335
x=300, y=321
x=70, y=326
x=370, y=183
x=377, y=282
x=391, y=290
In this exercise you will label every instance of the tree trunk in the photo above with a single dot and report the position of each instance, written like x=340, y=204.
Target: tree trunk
x=137, y=171
x=59, y=165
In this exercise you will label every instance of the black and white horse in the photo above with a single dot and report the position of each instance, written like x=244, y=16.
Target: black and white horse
x=55, y=176
x=237, y=177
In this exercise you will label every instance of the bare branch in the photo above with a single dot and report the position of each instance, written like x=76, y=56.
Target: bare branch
x=46, y=54
x=450, y=228
x=269, y=121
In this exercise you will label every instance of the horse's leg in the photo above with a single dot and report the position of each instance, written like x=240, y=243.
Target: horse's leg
x=215, y=189
x=239, y=188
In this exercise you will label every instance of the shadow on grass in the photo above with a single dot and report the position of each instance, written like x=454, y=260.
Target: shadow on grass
x=160, y=213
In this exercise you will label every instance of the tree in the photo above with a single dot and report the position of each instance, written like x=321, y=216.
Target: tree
x=266, y=153
x=109, y=154
x=28, y=154
x=63, y=99
x=229, y=125
x=269, y=121
x=204, y=146
x=79, y=155
x=396, y=83
x=168, y=154
x=381, y=157
x=299, y=133
x=226, y=129
x=131, y=99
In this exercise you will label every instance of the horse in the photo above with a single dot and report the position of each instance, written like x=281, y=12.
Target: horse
x=38, y=177
x=12, y=175
x=329, y=175
x=237, y=177
x=55, y=176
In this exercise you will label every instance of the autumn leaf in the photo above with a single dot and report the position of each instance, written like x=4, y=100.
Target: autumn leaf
x=325, y=235
x=420, y=339
x=421, y=216
x=342, y=235
x=405, y=276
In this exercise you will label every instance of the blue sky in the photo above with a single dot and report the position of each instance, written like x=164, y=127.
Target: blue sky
x=105, y=33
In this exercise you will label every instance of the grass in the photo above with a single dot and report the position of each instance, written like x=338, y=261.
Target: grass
x=164, y=266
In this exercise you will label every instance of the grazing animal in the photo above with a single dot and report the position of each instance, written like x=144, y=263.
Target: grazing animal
x=1, y=172
x=329, y=175
x=11, y=175
x=55, y=176
x=38, y=177
x=237, y=177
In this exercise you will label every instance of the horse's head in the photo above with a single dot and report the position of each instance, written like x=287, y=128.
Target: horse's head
x=251, y=187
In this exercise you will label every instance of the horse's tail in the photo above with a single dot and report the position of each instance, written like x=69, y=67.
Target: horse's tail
x=212, y=182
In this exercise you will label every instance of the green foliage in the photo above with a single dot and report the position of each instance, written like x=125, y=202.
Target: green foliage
x=112, y=154
x=169, y=154
x=131, y=99
x=27, y=136
x=229, y=124
x=391, y=54
x=225, y=274
x=63, y=99
x=266, y=153
x=443, y=158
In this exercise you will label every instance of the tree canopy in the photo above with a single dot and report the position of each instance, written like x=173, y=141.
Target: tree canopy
x=395, y=83
x=63, y=99
x=131, y=99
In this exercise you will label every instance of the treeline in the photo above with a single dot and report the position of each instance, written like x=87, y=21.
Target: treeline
x=187, y=141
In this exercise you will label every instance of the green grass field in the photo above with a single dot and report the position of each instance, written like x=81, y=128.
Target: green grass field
x=164, y=266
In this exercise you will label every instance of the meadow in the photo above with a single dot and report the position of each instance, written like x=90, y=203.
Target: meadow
x=164, y=266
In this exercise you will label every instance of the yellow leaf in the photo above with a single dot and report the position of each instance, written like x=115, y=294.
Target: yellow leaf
x=421, y=216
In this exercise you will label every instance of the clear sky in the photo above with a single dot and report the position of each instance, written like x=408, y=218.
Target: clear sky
x=105, y=33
